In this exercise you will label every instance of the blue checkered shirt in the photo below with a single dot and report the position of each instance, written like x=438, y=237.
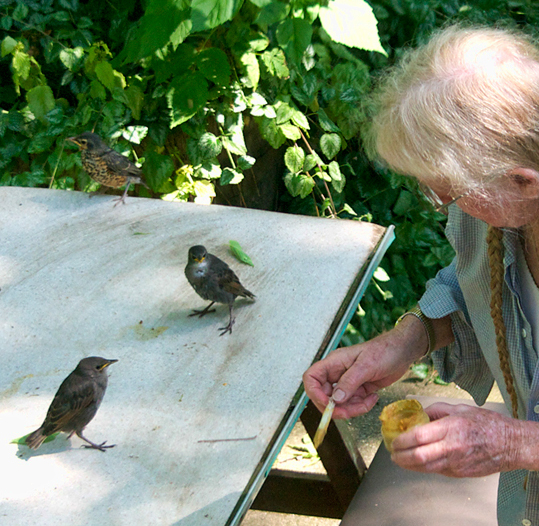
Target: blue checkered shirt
x=463, y=290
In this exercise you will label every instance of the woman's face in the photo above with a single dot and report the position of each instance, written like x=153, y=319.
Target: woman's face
x=513, y=210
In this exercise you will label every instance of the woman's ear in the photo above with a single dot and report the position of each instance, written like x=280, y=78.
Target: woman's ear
x=526, y=181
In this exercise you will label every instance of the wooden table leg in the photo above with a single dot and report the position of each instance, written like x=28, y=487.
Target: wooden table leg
x=318, y=495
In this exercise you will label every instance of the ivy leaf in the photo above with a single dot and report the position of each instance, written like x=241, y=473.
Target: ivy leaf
x=157, y=169
x=207, y=14
x=213, y=64
x=381, y=275
x=204, y=192
x=294, y=36
x=294, y=158
x=230, y=176
x=337, y=178
x=311, y=161
x=238, y=252
x=330, y=143
x=108, y=76
x=40, y=101
x=272, y=12
x=299, y=184
x=20, y=12
x=352, y=23
x=186, y=95
x=233, y=139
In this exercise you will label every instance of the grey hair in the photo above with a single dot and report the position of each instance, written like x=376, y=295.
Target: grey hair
x=462, y=108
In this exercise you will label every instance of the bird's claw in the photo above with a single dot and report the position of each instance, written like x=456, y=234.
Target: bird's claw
x=200, y=313
x=101, y=446
x=228, y=328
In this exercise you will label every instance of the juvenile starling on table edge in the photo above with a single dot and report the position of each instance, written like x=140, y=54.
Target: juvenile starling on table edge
x=105, y=165
x=215, y=281
x=76, y=402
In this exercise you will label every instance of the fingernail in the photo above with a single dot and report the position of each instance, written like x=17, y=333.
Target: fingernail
x=338, y=395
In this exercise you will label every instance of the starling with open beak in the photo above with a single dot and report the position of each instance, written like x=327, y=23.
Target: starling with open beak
x=75, y=403
x=215, y=281
x=105, y=165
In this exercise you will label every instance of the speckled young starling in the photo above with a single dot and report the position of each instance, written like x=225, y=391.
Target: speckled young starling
x=75, y=403
x=105, y=165
x=213, y=280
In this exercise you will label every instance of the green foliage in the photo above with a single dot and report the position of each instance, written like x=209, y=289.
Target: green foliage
x=172, y=83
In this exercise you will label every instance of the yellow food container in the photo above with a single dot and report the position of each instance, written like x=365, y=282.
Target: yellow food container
x=400, y=417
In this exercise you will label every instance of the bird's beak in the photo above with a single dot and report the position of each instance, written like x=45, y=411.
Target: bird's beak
x=109, y=362
x=73, y=139
x=200, y=260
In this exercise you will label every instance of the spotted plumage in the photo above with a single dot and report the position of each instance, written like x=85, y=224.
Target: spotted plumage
x=76, y=402
x=213, y=280
x=105, y=165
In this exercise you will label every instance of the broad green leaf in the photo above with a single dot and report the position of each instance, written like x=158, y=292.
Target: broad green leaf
x=20, y=12
x=294, y=36
x=290, y=131
x=97, y=90
x=337, y=178
x=6, y=22
x=8, y=45
x=326, y=123
x=238, y=252
x=135, y=134
x=62, y=16
x=213, y=64
x=272, y=12
x=186, y=95
x=230, y=176
x=135, y=100
x=271, y=132
x=40, y=101
x=21, y=64
x=22, y=440
x=275, y=63
x=40, y=143
x=252, y=69
x=157, y=169
x=71, y=58
x=108, y=76
x=245, y=162
x=299, y=184
x=294, y=158
x=207, y=14
x=299, y=119
x=312, y=160
x=164, y=22
x=208, y=146
x=261, y=3
x=330, y=144
x=352, y=23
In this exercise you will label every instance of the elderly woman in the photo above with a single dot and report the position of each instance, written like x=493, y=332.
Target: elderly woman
x=461, y=114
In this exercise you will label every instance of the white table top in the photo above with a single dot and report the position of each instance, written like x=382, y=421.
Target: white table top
x=79, y=277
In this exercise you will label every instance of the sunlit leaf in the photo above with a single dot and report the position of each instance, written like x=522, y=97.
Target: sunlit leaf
x=294, y=158
x=238, y=252
x=207, y=14
x=22, y=440
x=40, y=101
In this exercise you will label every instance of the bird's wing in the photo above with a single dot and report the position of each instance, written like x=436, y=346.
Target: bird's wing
x=120, y=164
x=229, y=282
x=75, y=394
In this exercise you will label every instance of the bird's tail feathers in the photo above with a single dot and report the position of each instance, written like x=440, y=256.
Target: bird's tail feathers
x=248, y=294
x=35, y=439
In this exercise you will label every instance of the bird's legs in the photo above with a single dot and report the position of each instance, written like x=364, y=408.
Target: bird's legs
x=202, y=312
x=231, y=322
x=101, y=446
x=124, y=195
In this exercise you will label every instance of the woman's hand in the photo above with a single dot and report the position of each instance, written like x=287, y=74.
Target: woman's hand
x=360, y=370
x=463, y=441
